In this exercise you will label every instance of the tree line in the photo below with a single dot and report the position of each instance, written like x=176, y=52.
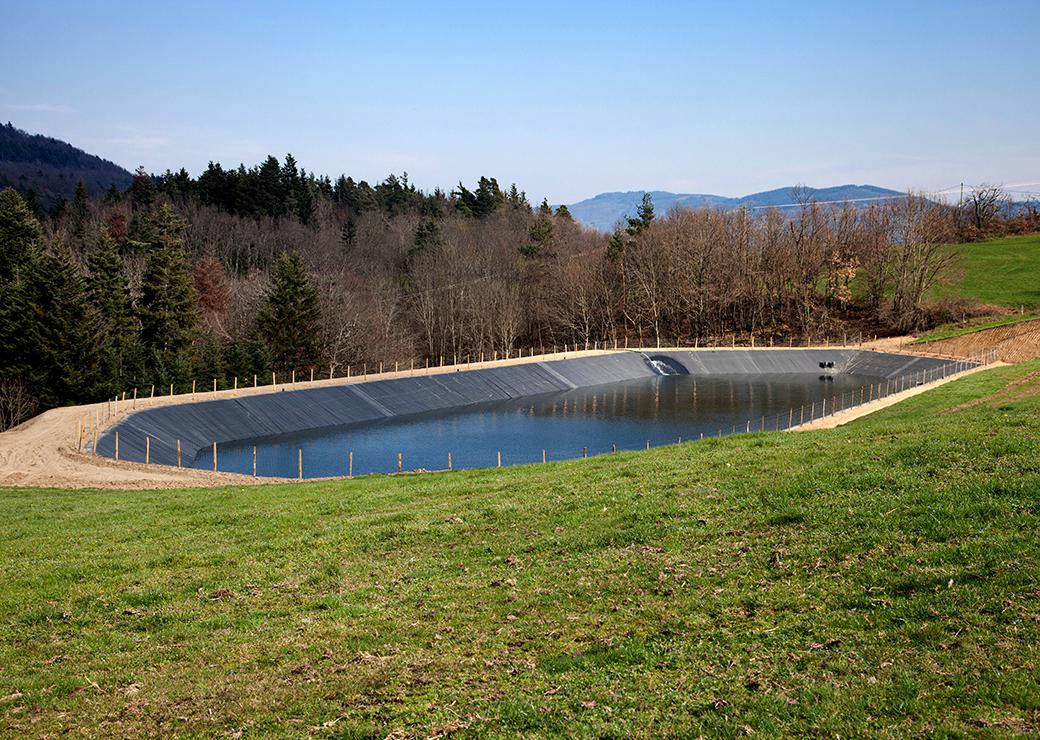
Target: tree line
x=240, y=273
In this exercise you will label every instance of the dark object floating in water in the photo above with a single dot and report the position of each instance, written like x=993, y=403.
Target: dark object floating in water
x=828, y=365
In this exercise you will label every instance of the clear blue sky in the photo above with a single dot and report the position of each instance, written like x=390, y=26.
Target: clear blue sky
x=567, y=99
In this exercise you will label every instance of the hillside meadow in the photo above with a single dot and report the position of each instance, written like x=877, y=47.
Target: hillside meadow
x=879, y=578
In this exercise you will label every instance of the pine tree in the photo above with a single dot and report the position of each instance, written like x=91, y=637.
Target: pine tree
x=616, y=245
x=564, y=212
x=169, y=309
x=212, y=363
x=488, y=197
x=427, y=236
x=541, y=233
x=32, y=202
x=79, y=212
x=65, y=333
x=142, y=190
x=644, y=216
x=269, y=197
x=20, y=234
x=482, y=202
x=518, y=199
x=121, y=357
x=17, y=329
x=20, y=249
x=289, y=317
x=348, y=236
x=112, y=195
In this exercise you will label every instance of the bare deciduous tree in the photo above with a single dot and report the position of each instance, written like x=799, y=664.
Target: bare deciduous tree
x=17, y=403
x=982, y=206
x=920, y=256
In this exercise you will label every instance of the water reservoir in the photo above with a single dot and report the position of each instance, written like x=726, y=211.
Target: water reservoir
x=626, y=415
x=566, y=407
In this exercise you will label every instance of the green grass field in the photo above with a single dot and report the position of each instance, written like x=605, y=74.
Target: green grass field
x=1000, y=272
x=878, y=579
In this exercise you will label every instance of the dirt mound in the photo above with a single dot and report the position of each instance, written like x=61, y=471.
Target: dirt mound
x=1014, y=343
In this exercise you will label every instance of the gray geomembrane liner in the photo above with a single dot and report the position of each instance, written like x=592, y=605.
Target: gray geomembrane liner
x=284, y=411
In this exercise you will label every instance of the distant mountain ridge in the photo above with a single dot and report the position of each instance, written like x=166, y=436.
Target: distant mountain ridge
x=51, y=168
x=605, y=210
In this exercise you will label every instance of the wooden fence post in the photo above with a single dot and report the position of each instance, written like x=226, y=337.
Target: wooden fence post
x=214, y=457
x=543, y=456
x=193, y=389
x=254, y=461
x=350, y=464
x=449, y=461
x=178, y=453
x=147, y=448
x=499, y=459
x=299, y=463
x=117, y=444
x=400, y=462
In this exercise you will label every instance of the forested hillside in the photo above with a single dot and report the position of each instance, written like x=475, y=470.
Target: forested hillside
x=46, y=171
x=241, y=272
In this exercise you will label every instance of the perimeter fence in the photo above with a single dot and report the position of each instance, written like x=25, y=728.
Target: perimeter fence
x=792, y=418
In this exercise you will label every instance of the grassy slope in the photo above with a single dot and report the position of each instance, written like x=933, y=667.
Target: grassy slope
x=880, y=578
x=1001, y=272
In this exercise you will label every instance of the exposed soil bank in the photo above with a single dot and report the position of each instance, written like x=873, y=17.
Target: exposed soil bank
x=1014, y=343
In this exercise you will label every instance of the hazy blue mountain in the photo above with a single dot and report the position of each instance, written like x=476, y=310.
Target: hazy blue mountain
x=52, y=168
x=603, y=211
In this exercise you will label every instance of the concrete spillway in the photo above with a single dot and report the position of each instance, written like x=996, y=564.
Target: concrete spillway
x=285, y=411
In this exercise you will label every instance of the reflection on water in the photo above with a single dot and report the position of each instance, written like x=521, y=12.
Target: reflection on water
x=624, y=415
